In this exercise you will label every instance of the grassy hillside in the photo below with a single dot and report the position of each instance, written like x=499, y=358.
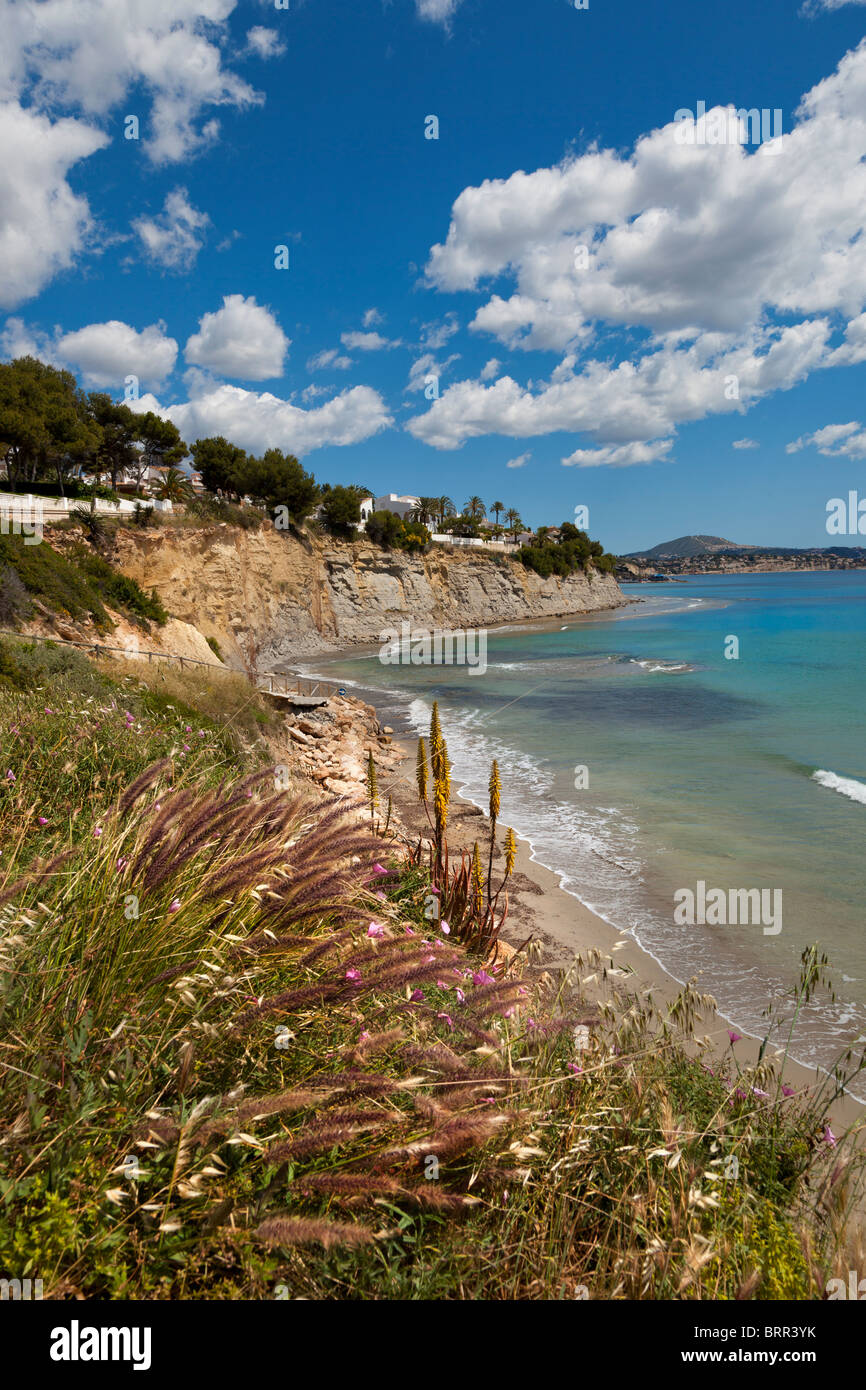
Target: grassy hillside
x=76, y=584
x=242, y=1061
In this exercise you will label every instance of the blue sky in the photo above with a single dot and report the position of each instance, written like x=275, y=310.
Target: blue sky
x=458, y=258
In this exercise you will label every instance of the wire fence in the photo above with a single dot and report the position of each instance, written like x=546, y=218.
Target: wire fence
x=131, y=652
x=270, y=682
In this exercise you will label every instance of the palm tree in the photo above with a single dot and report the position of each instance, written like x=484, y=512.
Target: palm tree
x=474, y=509
x=515, y=523
x=444, y=508
x=496, y=508
x=174, y=486
x=426, y=510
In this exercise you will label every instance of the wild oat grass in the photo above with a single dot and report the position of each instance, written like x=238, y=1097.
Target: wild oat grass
x=226, y=698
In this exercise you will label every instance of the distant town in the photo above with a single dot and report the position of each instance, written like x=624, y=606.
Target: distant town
x=689, y=555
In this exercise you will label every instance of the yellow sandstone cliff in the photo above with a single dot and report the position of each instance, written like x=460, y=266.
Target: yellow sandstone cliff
x=270, y=598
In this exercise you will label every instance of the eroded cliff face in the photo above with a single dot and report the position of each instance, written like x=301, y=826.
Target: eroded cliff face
x=270, y=599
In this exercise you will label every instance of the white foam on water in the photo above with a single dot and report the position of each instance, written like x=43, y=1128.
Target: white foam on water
x=845, y=786
x=666, y=666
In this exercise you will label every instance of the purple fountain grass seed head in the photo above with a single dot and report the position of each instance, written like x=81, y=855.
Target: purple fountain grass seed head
x=292, y=1231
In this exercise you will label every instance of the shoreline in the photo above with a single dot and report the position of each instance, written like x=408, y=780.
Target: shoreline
x=565, y=926
x=352, y=647
x=560, y=920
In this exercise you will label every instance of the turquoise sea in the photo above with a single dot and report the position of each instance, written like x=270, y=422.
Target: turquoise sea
x=741, y=773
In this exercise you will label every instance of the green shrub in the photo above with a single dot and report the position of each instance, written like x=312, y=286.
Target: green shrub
x=213, y=509
x=394, y=533
x=55, y=580
x=14, y=600
x=25, y=665
x=75, y=585
x=573, y=551
x=118, y=589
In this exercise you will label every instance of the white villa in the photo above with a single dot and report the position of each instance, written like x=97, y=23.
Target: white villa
x=402, y=506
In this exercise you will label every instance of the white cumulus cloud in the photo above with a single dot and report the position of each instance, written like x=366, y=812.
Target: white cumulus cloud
x=258, y=421
x=265, y=43
x=520, y=462
x=89, y=55
x=619, y=455
x=106, y=353
x=366, y=342
x=242, y=339
x=428, y=365
x=437, y=11
x=329, y=358
x=710, y=276
x=173, y=238
x=632, y=402
x=834, y=441
x=746, y=444
x=44, y=225
x=67, y=68
x=815, y=6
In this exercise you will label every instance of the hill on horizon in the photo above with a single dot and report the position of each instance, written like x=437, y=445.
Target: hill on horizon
x=686, y=547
